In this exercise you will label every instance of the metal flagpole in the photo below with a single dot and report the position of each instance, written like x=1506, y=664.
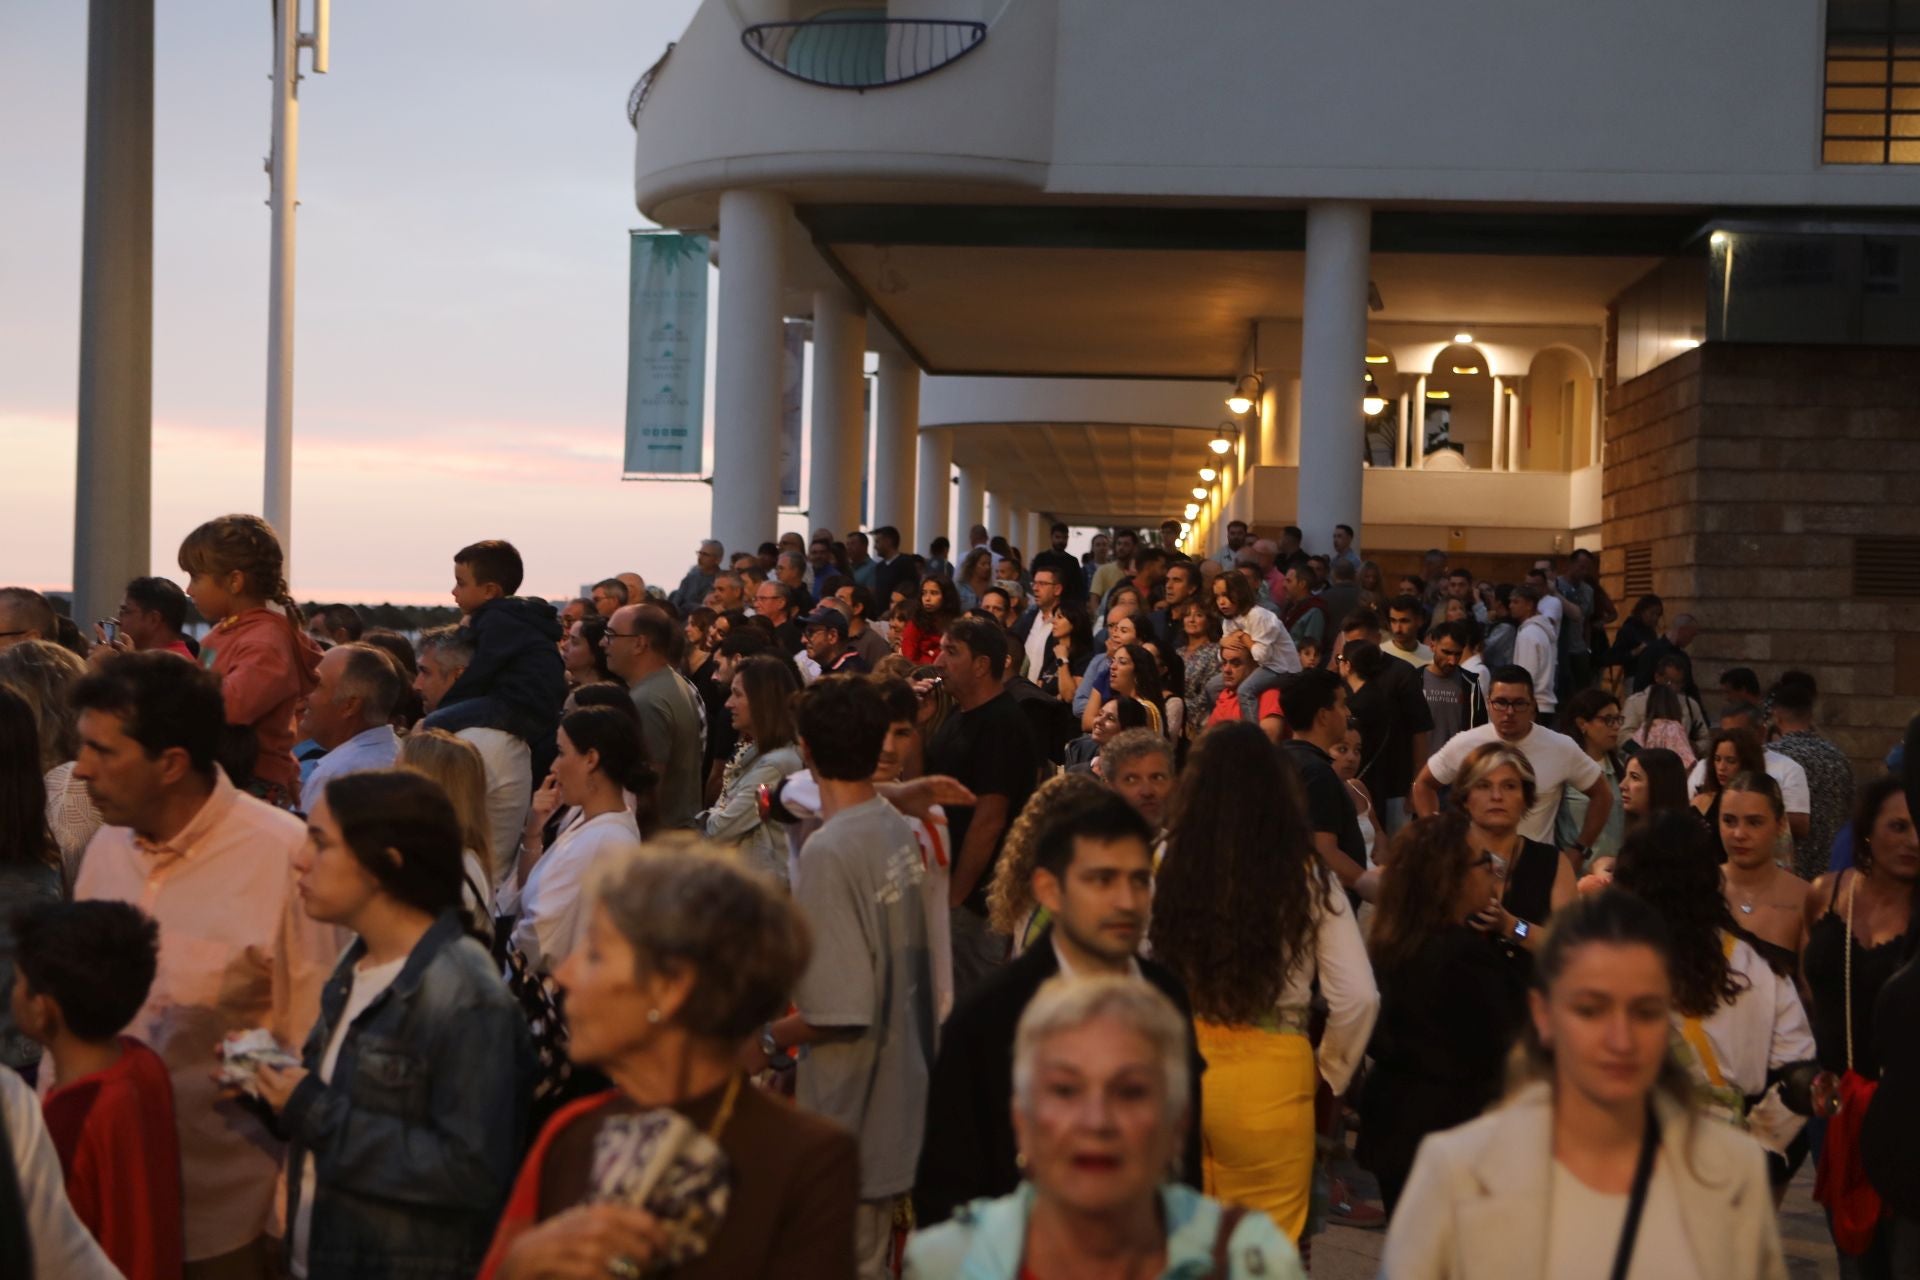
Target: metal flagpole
x=284, y=166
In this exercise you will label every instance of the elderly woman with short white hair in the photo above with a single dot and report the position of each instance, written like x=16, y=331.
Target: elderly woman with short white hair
x=1099, y=1111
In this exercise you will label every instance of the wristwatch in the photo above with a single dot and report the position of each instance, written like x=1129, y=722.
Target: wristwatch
x=777, y=1058
x=1521, y=929
x=1582, y=849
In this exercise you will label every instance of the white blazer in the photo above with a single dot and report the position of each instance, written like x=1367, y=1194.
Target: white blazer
x=1477, y=1202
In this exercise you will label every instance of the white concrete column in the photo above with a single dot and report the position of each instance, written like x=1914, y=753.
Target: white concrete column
x=1401, y=439
x=747, y=369
x=1036, y=537
x=1292, y=422
x=113, y=493
x=932, y=513
x=1498, y=435
x=839, y=420
x=1333, y=344
x=998, y=515
x=896, y=421
x=1417, y=446
x=970, y=508
x=1594, y=426
x=1515, y=418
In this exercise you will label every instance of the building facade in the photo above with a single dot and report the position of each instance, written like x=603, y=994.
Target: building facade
x=1505, y=280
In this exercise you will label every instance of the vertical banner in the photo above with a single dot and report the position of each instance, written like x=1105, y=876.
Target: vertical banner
x=666, y=355
x=793, y=388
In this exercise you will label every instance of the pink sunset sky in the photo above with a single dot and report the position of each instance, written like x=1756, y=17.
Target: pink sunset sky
x=466, y=190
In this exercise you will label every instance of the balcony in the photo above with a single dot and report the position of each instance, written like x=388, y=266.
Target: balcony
x=862, y=53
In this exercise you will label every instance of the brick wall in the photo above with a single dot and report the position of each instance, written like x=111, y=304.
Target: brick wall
x=1748, y=470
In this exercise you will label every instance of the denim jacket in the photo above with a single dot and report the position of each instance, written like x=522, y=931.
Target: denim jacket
x=984, y=1240
x=417, y=1138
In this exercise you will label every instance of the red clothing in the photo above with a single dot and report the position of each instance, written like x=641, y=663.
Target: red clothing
x=179, y=647
x=919, y=647
x=117, y=1143
x=1227, y=709
x=266, y=665
x=1841, y=1184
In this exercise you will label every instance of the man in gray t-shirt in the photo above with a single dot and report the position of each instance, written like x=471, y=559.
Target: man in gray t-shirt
x=865, y=1005
x=639, y=644
x=1453, y=697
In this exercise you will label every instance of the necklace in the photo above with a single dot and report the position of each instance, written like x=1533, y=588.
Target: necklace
x=725, y=1113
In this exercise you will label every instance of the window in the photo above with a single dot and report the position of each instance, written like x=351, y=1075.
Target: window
x=1873, y=82
x=1887, y=567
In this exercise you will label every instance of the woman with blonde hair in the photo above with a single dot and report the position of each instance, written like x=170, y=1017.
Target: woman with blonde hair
x=43, y=674
x=456, y=765
x=1494, y=789
x=264, y=658
x=1011, y=909
x=1597, y=1164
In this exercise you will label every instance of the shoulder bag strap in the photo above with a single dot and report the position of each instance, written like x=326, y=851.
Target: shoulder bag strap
x=1637, y=1198
x=1230, y=1217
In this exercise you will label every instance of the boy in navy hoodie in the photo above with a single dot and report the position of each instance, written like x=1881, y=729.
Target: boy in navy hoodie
x=517, y=680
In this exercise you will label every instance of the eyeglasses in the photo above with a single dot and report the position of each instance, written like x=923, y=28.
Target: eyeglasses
x=1510, y=704
x=622, y=635
x=1613, y=721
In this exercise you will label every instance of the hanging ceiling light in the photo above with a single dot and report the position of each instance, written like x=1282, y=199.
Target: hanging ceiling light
x=1223, y=437
x=1199, y=494
x=1193, y=509
x=1466, y=368
x=1373, y=405
x=1245, y=392
x=1378, y=359
x=1463, y=337
x=1209, y=475
x=1439, y=395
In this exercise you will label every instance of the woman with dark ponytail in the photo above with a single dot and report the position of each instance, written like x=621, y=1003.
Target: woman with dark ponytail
x=264, y=658
x=601, y=760
x=409, y=1109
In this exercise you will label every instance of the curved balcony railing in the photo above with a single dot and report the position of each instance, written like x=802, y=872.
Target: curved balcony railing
x=862, y=53
x=644, y=85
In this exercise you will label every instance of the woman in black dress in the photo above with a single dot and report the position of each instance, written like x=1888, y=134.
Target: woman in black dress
x=1451, y=997
x=1860, y=933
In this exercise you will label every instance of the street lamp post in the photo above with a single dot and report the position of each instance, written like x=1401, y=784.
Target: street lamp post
x=283, y=198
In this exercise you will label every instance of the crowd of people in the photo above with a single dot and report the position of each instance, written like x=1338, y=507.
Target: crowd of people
x=843, y=912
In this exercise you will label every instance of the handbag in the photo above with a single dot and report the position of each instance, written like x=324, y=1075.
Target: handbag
x=1841, y=1183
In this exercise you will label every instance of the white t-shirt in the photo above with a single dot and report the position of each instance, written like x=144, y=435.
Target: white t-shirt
x=368, y=983
x=1557, y=761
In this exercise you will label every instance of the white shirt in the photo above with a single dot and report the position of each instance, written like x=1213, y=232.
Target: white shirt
x=1418, y=656
x=375, y=748
x=509, y=765
x=1272, y=646
x=1583, y=1230
x=1339, y=961
x=1037, y=641
x=1533, y=648
x=368, y=983
x=1558, y=761
x=1762, y=1028
x=553, y=918
x=63, y=1249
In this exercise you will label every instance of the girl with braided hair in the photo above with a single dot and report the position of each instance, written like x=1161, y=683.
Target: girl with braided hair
x=258, y=647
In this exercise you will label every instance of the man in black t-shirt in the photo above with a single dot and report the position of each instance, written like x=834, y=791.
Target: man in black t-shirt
x=1072, y=580
x=1395, y=724
x=989, y=747
x=1316, y=710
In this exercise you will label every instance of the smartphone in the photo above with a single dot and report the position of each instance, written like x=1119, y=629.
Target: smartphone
x=109, y=629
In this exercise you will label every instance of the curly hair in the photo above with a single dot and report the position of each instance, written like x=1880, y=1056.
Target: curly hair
x=1010, y=896
x=44, y=674
x=1669, y=862
x=1431, y=858
x=1241, y=886
x=935, y=622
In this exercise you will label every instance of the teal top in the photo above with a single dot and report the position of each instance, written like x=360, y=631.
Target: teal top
x=1573, y=816
x=985, y=1241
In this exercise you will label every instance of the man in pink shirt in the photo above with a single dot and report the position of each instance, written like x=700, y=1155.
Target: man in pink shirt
x=214, y=867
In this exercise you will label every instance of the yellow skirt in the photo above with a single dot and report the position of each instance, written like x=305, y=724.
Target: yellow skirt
x=1256, y=1123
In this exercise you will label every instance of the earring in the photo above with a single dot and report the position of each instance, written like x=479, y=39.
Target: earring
x=1020, y=1160
x=653, y=1015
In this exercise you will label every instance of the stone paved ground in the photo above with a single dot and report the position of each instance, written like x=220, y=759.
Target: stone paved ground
x=1340, y=1253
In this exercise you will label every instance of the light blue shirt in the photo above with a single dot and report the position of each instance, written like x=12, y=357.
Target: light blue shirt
x=375, y=748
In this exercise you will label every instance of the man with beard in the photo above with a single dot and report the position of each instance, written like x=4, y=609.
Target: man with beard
x=1093, y=873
